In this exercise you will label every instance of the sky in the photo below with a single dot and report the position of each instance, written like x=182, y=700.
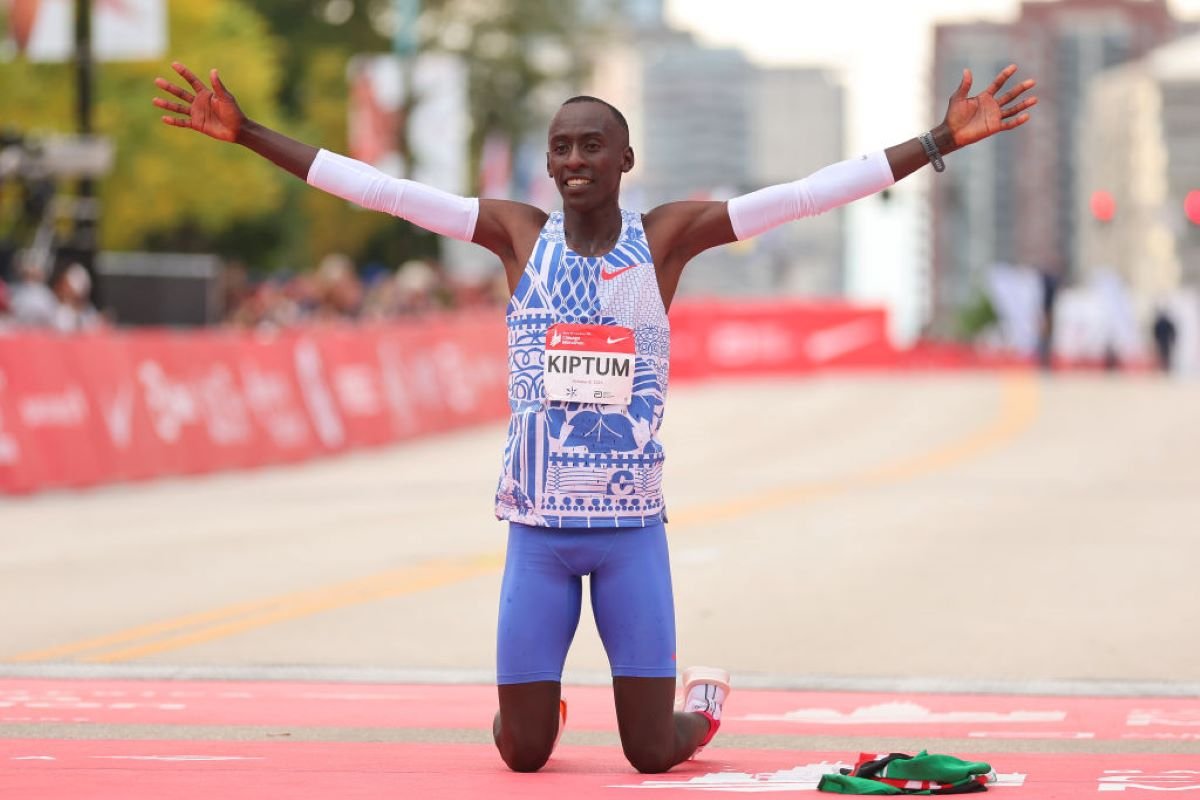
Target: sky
x=883, y=51
x=881, y=48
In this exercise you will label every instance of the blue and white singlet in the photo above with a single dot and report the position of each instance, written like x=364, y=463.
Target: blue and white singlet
x=583, y=465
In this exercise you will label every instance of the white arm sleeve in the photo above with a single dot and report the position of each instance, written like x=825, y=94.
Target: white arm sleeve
x=432, y=209
x=826, y=189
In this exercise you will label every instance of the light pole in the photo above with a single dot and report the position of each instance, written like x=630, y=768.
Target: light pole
x=86, y=215
x=405, y=45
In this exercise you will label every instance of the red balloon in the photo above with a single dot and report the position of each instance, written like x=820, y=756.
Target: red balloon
x=1104, y=206
x=1191, y=206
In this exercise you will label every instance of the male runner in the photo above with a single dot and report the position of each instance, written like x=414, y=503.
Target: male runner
x=588, y=353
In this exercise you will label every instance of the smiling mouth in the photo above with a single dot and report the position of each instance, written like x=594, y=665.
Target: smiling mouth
x=575, y=182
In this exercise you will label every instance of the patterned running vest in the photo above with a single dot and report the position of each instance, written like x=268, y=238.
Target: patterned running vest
x=584, y=465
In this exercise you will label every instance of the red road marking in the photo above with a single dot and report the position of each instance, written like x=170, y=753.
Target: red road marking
x=925, y=716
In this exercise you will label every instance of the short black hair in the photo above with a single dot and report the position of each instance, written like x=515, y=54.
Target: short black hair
x=587, y=98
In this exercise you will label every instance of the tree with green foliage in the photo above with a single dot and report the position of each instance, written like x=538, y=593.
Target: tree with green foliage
x=286, y=60
x=517, y=51
x=148, y=197
x=523, y=55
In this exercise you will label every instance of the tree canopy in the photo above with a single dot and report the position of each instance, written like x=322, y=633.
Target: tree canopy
x=162, y=178
x=286, y=61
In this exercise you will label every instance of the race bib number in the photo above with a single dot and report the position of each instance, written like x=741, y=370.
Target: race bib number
x=589, y=364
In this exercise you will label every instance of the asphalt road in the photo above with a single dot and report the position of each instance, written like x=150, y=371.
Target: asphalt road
x=942, y=528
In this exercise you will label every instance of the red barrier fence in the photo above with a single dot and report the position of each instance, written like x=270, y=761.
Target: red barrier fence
x=83, y=410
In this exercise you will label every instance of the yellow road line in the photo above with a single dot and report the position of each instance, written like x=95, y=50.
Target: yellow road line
x=1018, y=409
x=428, y=576
x=326, y=596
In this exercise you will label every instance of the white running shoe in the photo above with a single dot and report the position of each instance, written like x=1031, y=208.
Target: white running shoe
x=704, y=692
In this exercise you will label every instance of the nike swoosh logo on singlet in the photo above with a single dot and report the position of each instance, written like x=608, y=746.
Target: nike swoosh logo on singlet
x=608, y=276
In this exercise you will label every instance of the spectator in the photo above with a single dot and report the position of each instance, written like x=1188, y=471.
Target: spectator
x=5, y=319
x=74, y=311
x=339, y=288
x=1164, y=337
x=416, y=285
x=32, y=303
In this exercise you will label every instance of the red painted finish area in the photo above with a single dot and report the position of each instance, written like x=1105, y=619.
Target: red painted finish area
x=140, y=770
x=342, y=705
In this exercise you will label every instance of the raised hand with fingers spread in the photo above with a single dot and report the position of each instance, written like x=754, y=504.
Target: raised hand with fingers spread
x=214, y=112
x=970, y=119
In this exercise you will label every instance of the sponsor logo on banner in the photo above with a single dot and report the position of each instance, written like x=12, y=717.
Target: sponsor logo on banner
x=274, y=404
x=747, y=344
x=358, y=390
x=797, y=779
x=118, y=417
x=1170, y=780
x=171, y=405
x=831, y=343
x=903, y=714
x=457, y=380
x=317, y=398
x=9, y=451
x=223, y=408
x=214, y=398
x=67, y=408
x=391, y=357
x=424, y=381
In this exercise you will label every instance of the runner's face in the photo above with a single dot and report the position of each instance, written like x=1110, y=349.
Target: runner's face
x=589, y=150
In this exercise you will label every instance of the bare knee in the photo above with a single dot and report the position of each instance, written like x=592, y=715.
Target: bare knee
x=525, y=758
x=650, y=760
x=524, y=748
x=527, y=724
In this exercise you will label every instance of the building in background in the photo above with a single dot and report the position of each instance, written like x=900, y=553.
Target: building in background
x=1140, y=164
x=1017, y=201
x=797, y=126
x=708, y=124
x=973, y=220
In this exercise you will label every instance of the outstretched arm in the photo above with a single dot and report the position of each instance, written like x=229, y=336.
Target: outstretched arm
x=681, y=231
x=503, y=227
x=968, y=120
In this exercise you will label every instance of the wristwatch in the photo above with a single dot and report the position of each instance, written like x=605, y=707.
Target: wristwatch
x=931, y=150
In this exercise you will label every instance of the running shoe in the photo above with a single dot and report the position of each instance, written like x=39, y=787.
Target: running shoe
x=704, y=691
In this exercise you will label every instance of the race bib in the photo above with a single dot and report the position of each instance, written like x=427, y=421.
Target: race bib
x=589, y=364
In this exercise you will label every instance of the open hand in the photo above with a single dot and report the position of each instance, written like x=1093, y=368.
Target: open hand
x=970, y=119
x=213, y=112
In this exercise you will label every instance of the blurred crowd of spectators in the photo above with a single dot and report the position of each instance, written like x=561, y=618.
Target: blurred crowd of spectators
x=61, y=301
x=337, y=290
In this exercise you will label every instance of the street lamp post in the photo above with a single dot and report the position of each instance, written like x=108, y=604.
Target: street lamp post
x=405, y=45
x=86, y=215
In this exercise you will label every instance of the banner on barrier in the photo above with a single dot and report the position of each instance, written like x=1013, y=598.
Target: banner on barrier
x=114, y=406
x=79, y=411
